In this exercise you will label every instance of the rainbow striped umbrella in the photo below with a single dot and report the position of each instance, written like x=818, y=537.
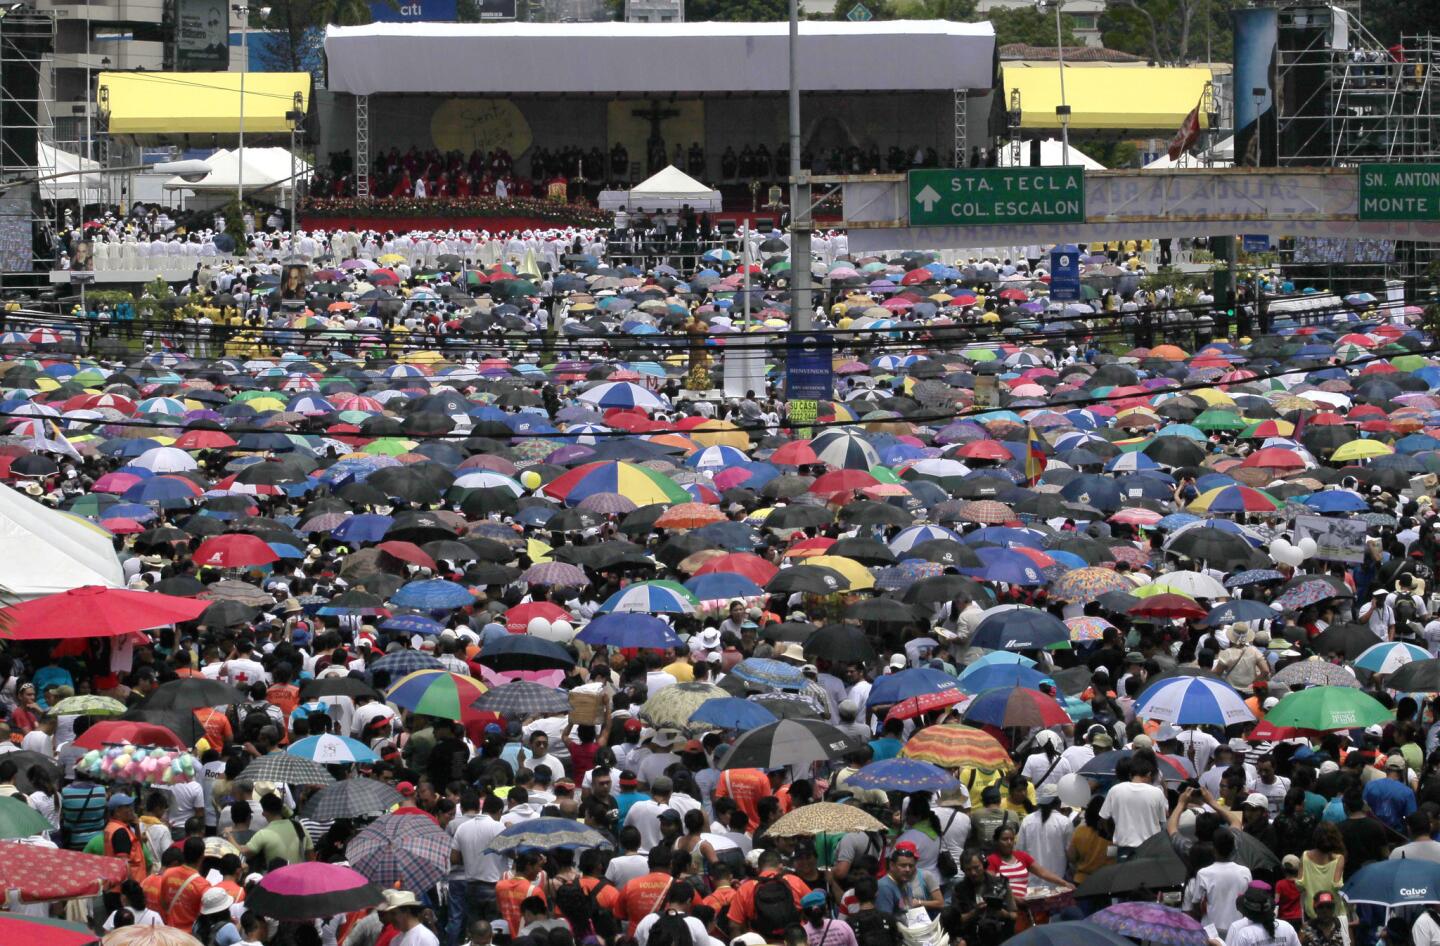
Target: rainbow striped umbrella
x=1234, y=499
x=638, y=484
x=437, y=693
x=956, y=747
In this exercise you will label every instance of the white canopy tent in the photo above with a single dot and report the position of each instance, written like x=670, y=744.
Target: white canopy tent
x=671, y=189
x=1052, y=155
x=83, y=187
x=1221, y=156
x=265, y=169
x=51, y=550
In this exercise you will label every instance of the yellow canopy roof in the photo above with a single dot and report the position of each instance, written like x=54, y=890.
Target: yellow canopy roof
x=1139, y=97
x=179, y=103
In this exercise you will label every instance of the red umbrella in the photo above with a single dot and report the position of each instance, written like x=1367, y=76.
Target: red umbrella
x=518, y=618
x=984, y=450
x=1275, y=458
x=236, y=550
x=93, y=611
x=794, y=453
x=29, y=929
x=750, y=565
x=926, y=703
x=42, y=874
x=842, y=481
x=203, y=439
x=1168, y=606
x=408, y=552
x=117, y=731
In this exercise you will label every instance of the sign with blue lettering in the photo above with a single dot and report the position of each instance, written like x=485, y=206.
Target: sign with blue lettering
x=809, y=367
x=414, y=11
x=1065, y=273
x=1255, y=243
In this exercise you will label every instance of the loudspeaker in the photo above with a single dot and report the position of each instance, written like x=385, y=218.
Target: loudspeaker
x=25, y=38
x=1304, y=38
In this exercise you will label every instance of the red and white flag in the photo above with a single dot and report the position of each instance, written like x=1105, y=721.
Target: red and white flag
x=1188, y=134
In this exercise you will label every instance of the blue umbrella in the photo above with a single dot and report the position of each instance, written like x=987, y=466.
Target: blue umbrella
x=1336, y=500
x=369, y=527
x=285, y=550
x=902, y=775
x=412, y=624
x=732, y=712
x=1092, y=490
x=628, y=629
x=1014, y=675
x=895, y=687
x=1019, y=629
x=404, y=662
x=1006, y=536
x=437, y=594
x=544, y=834
x=1007, y=565
x=772, y=673
x=1240, y=609
x=722, y=585
x=169, y=492
x=1253, y=576
x=1395, y=883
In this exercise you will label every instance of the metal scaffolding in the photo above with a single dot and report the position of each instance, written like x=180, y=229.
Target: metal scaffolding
x=27, y=41
x=961, y=127
x=362, y=146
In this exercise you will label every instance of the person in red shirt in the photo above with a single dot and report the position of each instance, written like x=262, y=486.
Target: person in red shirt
x=747, y=787
x=742, y=905
x=182, y=887
x=644, y=895
x=526, y=880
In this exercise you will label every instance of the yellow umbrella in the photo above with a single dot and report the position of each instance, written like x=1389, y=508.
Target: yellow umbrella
x=1213, y=397
x=537, y=550
x=1362, y=450
x=720, y=433
x=1159, y=588
x=858, y=575
x=390, y=258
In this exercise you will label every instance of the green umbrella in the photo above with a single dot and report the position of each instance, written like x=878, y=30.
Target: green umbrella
x=1215, y=419
x=1329, y=708
x=19, y=820
x=88, y=705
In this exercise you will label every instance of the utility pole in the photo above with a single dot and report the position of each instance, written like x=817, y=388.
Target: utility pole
x=801, y=319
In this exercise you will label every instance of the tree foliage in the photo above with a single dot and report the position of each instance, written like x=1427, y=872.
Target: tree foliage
x=1029, y=26
x=1170, y=31
x=737, y=11
x=958, y=11
x=1389, y=20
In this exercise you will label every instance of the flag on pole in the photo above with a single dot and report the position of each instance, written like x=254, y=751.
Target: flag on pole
x=1034, y=455
x=1187, y=135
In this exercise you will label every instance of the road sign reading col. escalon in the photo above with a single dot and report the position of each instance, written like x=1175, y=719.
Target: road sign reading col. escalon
x=968, y=196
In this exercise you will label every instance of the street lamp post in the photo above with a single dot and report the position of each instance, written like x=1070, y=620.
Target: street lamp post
x=295, y=116
x=244, y=10
x=801, y=315
x=1062, y=111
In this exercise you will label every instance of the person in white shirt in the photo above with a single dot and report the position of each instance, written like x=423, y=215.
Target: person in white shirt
x=520, y=808
x=1378, y=614
x=644, y=815
x=481, y=871
x=1045, y=833
x=405, y=916
x=1137, y=808
x=630, y=864
x=41, y=739
x=1219, y=886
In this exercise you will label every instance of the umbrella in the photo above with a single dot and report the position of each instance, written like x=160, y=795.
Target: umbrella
x=521, y=652
x=118, y=731
x=729, y=712
x=1086, y=584
x=332, y=750
x=522, y=699
x=1307, y=592
x=1075, y=933
x=19, y=820
x=902, y=775
x=764, y=672
x=311, y=891
x=1019, y=628
x=1016, y=707
x=88, y=705
x=1155, y=866
x=1349, y=640
x=790, y=742
x=673, y=706
x=844, y=643
x=109, y=612
x=404, y=662
x=234, y=550
x=436, y=693
x=1193, y=701
x=823, y=817
x=351, y=798
x=629, y=629
x=1316, y=672
x=409, y=850
x=1326, y=708
x=191, y=693
x=27, y=929
x=958, y=747
x=25, y=760
x=1389, y=657
x=286, y=768
x=1151, y=923
x=1395, y=883
x=1173, y=769
x=42, y=874
x=545, y=834
x=1420, y=676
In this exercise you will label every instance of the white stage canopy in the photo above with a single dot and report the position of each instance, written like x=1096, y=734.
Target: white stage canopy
x=264, y=168
x=671, y=189
x=1052, y=155
x=658, y=58
x=52, y=551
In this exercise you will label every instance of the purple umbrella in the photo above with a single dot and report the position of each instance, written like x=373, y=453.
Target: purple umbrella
x=312, y=890
x=1151, y=923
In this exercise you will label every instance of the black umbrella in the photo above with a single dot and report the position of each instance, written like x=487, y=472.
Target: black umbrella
x=181, y=722
x=1418, y=676
x=1155, y=866
x=794, y=632
x=807, y=579
x=865, y=551
x=790, y=742
x=945, y=552
x=337, y=686
x=1350, y=640
x=24, y=761
x=223, y=614
x=882, y=611
x=841, y=643
x=801, y=516
x=189, y=693
x=1216, y=547
x=521, y=652
x=867, y=512
x=941, y=588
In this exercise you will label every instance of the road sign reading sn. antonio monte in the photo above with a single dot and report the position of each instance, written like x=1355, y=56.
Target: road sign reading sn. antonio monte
x=1399, y=192
x=968, y=196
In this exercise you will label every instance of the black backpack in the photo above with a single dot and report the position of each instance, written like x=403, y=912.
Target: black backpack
x=670, y=930
x=1406, y=614
x=873, y=928
x=775, y=909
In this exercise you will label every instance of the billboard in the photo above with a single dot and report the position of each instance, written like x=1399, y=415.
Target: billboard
x=420, y=11
x=496, y=10
x=202, y=36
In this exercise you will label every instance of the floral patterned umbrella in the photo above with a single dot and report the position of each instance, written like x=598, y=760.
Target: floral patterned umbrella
x=1151, y=923
x=45, y=873
x=1086, y=628
x=1306, y=593
x=1087, y=584
x=1316, y=672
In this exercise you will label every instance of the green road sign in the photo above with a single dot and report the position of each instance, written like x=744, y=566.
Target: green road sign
x=1400, y=192
x=859, y=13
x=969, y=196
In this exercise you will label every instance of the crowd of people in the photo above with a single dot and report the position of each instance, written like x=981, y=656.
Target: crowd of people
x=495, y=642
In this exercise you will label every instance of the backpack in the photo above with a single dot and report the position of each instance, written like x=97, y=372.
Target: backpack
x=606, y=926
x=874, y=928
x=670, y=930
x=775, y=908
x=1406, y=614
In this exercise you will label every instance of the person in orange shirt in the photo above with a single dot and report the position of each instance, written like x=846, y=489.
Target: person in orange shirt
x=742, y=906
x=283, y=693
x=644, y=895
x=232, y=873
x=182, y=887
x=721, y=876
x=122, y=836
x=215, y=722
x=526, y=880
x=746, y=787
x=592, y=875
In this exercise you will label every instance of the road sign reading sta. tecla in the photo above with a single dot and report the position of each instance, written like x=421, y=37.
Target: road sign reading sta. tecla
x=968, y=196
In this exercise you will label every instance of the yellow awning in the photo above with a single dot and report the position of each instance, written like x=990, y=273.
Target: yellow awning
x=1137, y=97
x=183, y=103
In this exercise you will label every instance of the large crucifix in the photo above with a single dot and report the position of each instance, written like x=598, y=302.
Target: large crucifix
x=655, y=144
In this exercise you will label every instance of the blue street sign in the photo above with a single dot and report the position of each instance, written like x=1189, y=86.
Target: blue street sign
x=809, y=367
x=1255, y=243
x=1065, y=273
x=420, y=11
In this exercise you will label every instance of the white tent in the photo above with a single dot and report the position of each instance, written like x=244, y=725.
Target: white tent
x=1052, y=155
x=265, y=168
x=1222, y=156
x=51, y=551
x=671, y=189
x=77, y=186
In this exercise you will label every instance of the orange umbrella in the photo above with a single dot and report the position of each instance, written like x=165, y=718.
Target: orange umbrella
x=689, y=516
